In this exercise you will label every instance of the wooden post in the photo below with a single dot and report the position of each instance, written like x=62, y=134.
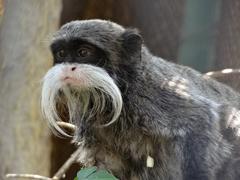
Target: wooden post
x=25, y=146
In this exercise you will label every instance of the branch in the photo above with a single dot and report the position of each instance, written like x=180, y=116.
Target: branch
x=61, y=172
x=73, y=158
x=222, y=72
x=58, y=175
x=68, y=126
x=28, y=176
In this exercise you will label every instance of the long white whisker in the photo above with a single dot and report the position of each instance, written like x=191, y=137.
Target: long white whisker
x=95, y=86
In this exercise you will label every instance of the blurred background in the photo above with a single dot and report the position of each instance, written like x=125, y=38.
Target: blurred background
x=202, y=34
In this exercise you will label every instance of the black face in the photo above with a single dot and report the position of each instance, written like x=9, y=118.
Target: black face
x=77, y=51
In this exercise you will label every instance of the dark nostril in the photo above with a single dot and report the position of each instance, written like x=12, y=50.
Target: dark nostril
x=73, y=68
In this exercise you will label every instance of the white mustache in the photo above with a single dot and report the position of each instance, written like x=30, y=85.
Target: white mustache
x=79, y=83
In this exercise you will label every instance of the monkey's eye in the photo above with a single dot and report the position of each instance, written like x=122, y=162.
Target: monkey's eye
x=61, y=53
x=84, y=52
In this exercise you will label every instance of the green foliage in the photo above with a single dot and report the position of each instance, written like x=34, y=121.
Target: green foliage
x=93, y=173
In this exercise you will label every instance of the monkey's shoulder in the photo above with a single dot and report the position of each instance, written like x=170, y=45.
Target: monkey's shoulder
x=161, y=74
x=178, y=98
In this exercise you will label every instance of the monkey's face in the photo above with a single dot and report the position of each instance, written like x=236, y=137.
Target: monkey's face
x=88, y=56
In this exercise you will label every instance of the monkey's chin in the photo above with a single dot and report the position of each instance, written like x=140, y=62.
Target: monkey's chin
x=87, y=91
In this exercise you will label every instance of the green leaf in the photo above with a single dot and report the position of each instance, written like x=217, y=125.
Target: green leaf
x=84, y=173
x=101, y=175
x=93, y=174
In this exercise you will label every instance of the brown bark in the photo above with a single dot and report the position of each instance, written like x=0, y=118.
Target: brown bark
x=228, y=41
x=1, y=10
x=25, y=145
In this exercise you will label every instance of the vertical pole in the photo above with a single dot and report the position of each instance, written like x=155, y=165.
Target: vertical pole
x=197, y=48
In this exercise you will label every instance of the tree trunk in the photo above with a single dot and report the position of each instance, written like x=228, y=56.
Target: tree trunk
x=228, y=42
x=25, y=146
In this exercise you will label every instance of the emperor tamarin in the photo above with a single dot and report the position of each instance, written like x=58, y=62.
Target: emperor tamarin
x=132, y=108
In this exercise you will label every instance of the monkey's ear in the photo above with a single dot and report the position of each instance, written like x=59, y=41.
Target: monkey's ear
x=132, y=41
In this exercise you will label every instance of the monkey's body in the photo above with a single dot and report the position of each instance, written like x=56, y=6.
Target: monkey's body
x=188, y=123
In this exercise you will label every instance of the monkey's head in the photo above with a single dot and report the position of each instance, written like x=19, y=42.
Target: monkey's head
x=92, y=60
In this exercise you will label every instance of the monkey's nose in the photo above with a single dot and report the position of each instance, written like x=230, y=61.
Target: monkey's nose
x=73, y=68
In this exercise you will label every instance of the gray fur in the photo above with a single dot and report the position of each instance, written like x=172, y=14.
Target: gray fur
x=188, y=123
